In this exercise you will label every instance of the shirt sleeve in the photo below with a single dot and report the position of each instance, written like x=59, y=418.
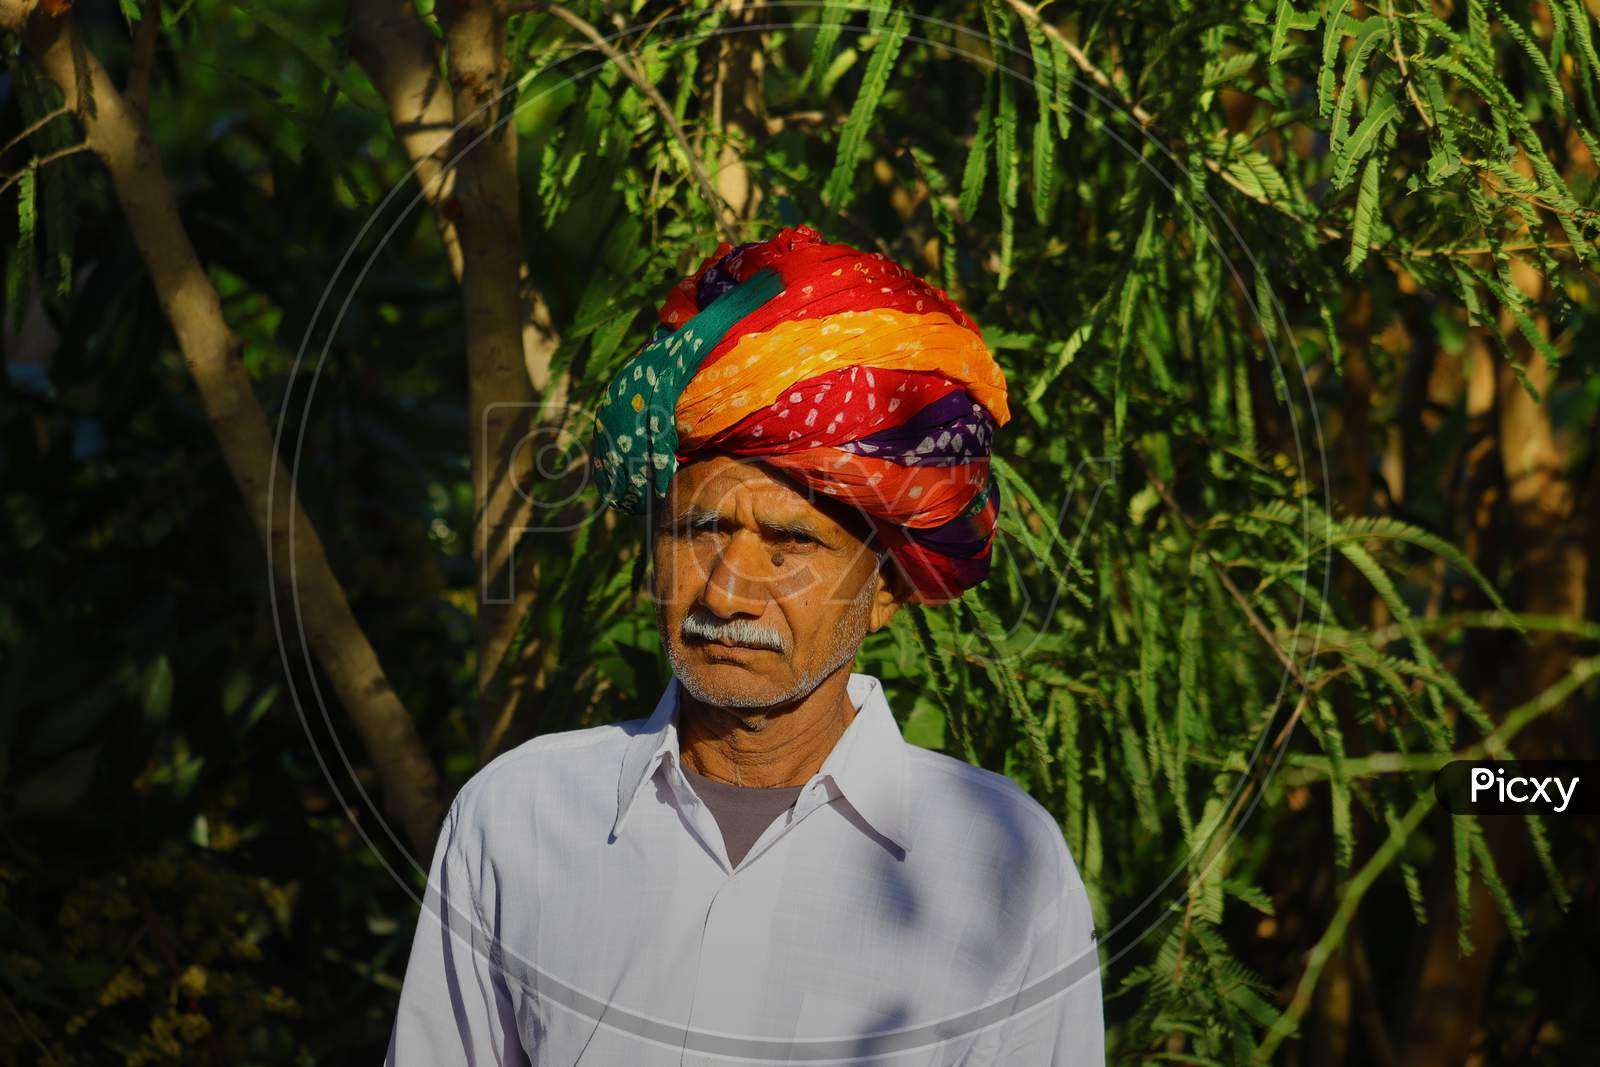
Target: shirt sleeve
x=455, y=1005
x=1060, y=1020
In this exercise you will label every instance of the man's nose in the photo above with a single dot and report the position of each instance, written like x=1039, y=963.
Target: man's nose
x=737, y=582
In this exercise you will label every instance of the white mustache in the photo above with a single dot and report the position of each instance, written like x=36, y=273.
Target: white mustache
x=702, y=624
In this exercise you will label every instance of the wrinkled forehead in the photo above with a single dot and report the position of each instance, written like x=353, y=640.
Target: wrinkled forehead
x=723, y=485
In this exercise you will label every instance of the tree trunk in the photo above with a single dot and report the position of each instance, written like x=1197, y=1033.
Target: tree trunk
x=389, y=41
x=122, y=142
x=501, y=401
x=1547, y=530
x=739, y=104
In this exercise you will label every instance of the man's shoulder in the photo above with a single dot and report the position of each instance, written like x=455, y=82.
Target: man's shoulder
x=956, y=780
x=566, y=756
x=940, y=771
x=982, y=805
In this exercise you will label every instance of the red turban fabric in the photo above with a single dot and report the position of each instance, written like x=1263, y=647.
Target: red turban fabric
x=840, y=368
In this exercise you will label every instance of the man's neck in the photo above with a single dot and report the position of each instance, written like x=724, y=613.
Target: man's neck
x=765, y=748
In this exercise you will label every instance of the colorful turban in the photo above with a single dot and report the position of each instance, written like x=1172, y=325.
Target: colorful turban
x=846, y=372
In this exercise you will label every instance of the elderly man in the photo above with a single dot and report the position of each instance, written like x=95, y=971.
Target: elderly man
x=762, y=870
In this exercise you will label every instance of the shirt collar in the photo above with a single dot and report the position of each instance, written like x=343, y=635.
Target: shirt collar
x=868, y=764
x=656, y=739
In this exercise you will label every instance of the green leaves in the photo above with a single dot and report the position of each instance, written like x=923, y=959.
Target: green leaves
x=1007, y=163
x=1324, y=724
x=1255, y=173
x=1373, y=34
x=824, y=48
x=1002, y=671
x=19, y=263
x=314, y=51
x=852, y=138
x=1159, y=557
x=1280, y=30
x=1461, y=835
x=1331, y=35
x=976, y=171
x=157, y=690
x=1366, y=216
x=1381, y=114
x=1044, y=135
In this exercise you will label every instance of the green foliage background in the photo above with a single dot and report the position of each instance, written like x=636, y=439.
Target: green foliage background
x=1233, y=625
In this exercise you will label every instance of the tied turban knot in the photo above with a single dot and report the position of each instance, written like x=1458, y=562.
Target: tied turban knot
x=846, y=372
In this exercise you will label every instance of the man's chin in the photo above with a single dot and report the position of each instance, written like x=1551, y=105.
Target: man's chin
x=738, y=681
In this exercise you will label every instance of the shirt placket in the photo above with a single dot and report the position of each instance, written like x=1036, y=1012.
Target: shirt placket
x=818, y=791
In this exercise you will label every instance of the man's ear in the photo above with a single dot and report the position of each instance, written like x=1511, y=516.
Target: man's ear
x=891, y=592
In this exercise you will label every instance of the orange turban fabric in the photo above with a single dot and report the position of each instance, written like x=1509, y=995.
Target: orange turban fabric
x=836, y=366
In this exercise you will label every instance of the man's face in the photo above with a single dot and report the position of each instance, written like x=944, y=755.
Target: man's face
x=760, y=593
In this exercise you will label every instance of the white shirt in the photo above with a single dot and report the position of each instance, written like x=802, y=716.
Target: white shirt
x=909, y=909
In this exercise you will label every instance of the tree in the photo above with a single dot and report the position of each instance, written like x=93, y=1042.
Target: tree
x=1300, y=500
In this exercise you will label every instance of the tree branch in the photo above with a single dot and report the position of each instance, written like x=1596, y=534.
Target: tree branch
x=1143, y=117
x=390, y=43
x=14, y=14
x=210, y=350
x=726, y=222
x=145, y=39
x=1148, y=121
x=1349, y=901
x=1400, y=61
x=35, y=164
x=33, y=128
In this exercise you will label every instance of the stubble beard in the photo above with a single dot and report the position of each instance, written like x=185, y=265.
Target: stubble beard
x=847, y=638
